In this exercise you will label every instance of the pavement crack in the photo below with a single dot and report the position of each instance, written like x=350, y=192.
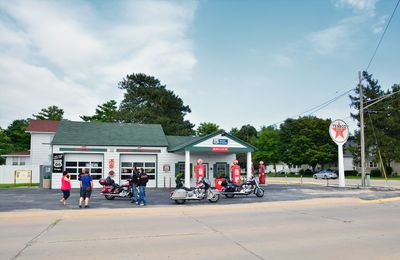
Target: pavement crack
x=34, y=240
x=226, y=237
x=325, y=217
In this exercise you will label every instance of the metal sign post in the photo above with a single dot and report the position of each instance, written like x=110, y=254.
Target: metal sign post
x=339, y=132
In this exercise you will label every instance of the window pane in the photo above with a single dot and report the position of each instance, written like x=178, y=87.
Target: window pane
x=73, y=177
x=84, y=164
x=71, y=164
x=138, y=164
x=152, y=177
x=125, y=177
x=96, y=164
x=96, y=170
x=150, y=164
x=126, y=164
x=71, y=170
x=96, y=177
x=150, y=171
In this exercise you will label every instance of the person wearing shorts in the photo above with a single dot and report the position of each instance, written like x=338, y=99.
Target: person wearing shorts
x=65, y=187
x=86, y=184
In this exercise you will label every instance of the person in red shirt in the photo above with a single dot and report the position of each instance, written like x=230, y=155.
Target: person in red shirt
x=65, y=187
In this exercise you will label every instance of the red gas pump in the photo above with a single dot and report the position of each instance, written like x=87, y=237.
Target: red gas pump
x=261, y=171
x=235, y=172
x=199, y=169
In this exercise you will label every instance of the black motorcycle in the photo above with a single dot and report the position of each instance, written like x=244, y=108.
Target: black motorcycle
x=231, y=189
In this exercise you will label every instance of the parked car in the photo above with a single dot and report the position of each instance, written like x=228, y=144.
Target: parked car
x=325, y=174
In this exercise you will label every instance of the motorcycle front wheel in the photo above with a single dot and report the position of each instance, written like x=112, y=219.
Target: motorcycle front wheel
x=214, y=198
x=180, y=201
x=259, y=192
x=109, y=197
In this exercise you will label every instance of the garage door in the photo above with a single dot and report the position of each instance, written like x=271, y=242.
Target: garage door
x=75, y=163
x=147, y=162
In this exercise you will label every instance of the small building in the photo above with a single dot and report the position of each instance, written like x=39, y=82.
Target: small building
x=101, y=147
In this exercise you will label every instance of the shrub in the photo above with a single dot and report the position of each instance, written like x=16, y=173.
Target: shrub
x=307, y=172
x=375, y=173
x=351, y=173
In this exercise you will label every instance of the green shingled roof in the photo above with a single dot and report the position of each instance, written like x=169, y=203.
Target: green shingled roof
x=109, y=134
x=178, y=142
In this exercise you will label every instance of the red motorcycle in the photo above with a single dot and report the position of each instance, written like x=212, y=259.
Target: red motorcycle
x=112, y=190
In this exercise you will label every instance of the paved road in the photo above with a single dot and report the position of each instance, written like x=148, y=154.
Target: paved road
x=327, y=228
x=35, y=198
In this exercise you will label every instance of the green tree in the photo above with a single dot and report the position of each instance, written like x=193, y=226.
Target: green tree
x=206, y=128
x=50, y=113
x=146, y=101
x=306, y=141
x=5, y=145
x=108, y=112
x=268, y=145
x=246, y=133
x=381, y=121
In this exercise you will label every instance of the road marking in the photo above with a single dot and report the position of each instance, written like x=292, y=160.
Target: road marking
x=380, y=200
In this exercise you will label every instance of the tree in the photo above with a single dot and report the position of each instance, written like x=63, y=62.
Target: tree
x=268, y=145
x=50, y=113
x=206, y=128
x=5, y=145
x=19, y=139
x=146, y=101
x=108, y=112
x=247, y=133
x=306, y=141
x=381, y=121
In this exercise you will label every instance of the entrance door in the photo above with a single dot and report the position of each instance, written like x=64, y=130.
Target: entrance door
x=147, y=162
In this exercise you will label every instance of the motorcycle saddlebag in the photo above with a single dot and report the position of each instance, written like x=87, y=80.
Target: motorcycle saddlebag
x=103, y=182
x=178, y=194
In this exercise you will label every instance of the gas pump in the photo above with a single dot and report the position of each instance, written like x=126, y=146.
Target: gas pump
x=199, y=169
x=261, y=171
x=235, y=172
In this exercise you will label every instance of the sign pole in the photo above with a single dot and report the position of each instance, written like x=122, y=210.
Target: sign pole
x=342, y=182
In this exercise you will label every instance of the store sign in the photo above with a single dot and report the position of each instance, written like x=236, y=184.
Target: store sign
x=339, y=131
x=58, y=162
x=166, y=168
x=219, y=141
x=220, y=149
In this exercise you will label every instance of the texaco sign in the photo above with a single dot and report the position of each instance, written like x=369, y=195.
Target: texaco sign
x=339, y=131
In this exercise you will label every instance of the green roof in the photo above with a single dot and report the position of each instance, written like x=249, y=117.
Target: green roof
x=178, y=142
x=109, y=134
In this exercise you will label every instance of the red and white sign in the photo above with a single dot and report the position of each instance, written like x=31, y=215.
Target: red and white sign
x=111, y=164
x=339, y=131
x=220, y=149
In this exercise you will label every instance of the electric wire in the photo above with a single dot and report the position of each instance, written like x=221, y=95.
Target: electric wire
x=383, y=34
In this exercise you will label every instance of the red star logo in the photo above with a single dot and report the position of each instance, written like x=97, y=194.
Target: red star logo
x=339, y=130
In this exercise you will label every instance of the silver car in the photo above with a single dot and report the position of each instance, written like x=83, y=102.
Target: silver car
x=325, y=174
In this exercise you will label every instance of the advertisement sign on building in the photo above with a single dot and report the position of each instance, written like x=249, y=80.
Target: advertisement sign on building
x=58, y=162
x=23, y=176
x=220, y=141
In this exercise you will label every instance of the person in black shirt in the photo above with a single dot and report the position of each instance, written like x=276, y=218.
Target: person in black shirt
x=135, y=181
x=143, y=179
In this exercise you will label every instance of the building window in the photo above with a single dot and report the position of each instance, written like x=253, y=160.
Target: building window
x=75, y=168
x=373, y=164
x=220, y=170
x=148, y=167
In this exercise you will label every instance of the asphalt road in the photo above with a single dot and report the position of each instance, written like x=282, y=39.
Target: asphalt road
x=325, y=228
x=37, y=199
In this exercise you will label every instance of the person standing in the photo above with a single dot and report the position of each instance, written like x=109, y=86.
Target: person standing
x=65, y=187
x=135, y=182
x=143, y=179
x=86, y=184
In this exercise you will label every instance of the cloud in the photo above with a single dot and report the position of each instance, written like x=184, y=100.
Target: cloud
x=380, y=24
x=282, y=60
x=330, y=40
x=53, y=51
x=358, y=6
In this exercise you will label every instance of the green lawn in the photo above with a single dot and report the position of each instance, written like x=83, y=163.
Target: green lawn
x=11, y=185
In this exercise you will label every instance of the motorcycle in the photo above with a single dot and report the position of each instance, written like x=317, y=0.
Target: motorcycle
x=231, y=189
x=113, y=190
x=201, y=191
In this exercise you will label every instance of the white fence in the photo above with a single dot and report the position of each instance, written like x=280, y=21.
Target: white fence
x=19, y=174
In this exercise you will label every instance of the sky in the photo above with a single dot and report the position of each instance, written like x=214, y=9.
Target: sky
x=233, y=62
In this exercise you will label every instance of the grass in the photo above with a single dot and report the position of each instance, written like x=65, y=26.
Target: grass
x=12, y=185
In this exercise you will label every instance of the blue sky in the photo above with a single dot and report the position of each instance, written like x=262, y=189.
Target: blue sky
x=233, y=62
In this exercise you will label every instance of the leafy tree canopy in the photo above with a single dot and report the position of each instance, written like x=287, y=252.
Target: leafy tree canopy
x=268, y=145
x=146, y=101
x=206, y=128
x=108, y=112
x=50, y=113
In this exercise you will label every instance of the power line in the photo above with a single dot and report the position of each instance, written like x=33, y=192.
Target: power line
x=383, y=34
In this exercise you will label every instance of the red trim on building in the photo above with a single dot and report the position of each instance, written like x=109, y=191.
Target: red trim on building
x=49, y=126
x=18, y=154
x=220, y=149
x=139, y=150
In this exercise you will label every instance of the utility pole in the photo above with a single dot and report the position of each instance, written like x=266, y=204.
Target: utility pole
x=362, y=131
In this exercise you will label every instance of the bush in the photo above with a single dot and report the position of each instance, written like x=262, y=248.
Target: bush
x=350, y=173
x=307, y=172
x=376, y=173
